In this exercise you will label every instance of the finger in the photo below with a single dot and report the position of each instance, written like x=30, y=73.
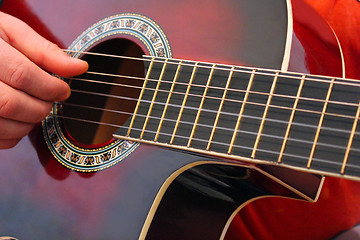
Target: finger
x=19, y=72
x=6, y=144
x=10, y=129
x=19, y=106
x=39, y=50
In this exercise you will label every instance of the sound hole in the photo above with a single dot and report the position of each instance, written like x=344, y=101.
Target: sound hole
x=96, y=109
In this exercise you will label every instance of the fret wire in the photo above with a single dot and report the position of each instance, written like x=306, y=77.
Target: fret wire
x=291, y=119
x=264, y=115
x=184, y=102
x=242, y=110
x=350, y=140
x=168, y=100
x=140, y=96
x=320, y=123
x=220, y=108
x=153, y=99
x=201, y=105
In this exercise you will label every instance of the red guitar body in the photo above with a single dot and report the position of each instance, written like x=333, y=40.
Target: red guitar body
x=157, y=193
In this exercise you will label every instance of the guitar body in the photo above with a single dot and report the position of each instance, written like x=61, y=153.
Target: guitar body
x=157, y=193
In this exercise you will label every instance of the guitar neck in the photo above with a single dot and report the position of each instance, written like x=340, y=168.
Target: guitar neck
x=263, y=116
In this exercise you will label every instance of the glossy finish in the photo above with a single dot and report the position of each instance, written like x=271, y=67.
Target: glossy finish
x=315, y=48
x=193, y=34
x=199, y=202
x=44, y=200
x=40, y=199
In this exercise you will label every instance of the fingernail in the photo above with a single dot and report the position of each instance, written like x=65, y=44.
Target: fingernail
x=65, y=94
x=68, y=94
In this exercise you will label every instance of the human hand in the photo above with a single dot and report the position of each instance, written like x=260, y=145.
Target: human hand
x=27, y=92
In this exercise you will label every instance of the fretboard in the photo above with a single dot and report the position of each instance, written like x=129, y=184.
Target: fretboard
x=262, y=116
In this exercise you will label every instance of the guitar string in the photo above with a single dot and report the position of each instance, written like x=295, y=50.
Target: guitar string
x=201, y=86
x=231, y=130
x=236, y=90
x=217, y=127
x=221, y=128
x=228, y=99
x=241, y=131
x=226, y=67
x=223, y=113
x=318, y=100
x=349, y=165
x=205, y=110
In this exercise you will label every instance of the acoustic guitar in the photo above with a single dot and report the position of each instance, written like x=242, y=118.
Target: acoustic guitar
x=189, y=111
